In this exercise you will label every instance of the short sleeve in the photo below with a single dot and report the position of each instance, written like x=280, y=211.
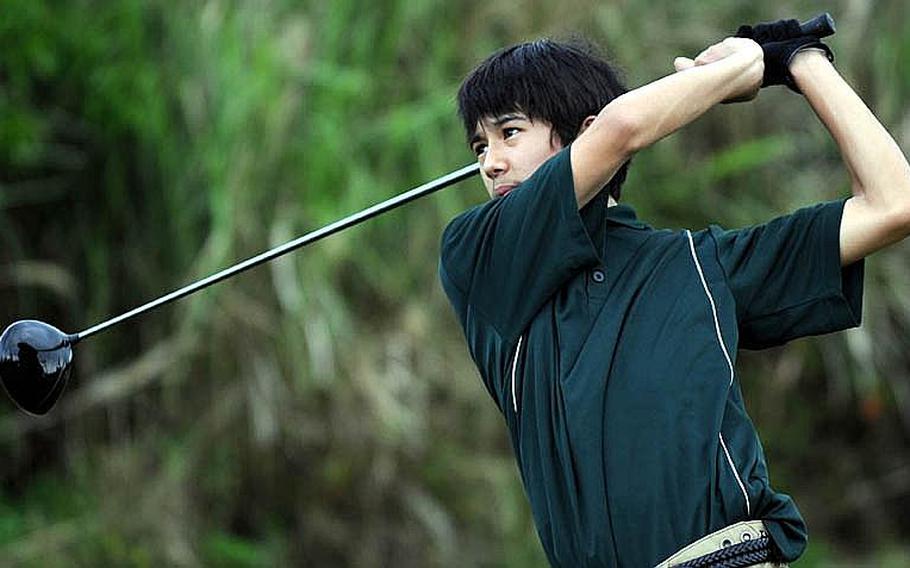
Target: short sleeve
x=507, y=257
x=786, y=277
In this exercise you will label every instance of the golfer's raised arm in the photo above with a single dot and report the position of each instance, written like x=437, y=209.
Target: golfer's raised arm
x=878, y=214
x=729, y=70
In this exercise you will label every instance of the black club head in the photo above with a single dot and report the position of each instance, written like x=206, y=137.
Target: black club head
x=35, y=361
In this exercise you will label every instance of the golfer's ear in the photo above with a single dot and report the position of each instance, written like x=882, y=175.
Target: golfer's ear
x=587, y=122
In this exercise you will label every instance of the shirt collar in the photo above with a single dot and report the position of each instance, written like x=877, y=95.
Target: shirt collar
x=623, y=214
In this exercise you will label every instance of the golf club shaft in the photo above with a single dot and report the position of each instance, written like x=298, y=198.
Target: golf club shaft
x=349, y=221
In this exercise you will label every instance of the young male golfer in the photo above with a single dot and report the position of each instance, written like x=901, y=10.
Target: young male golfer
x=609, y=346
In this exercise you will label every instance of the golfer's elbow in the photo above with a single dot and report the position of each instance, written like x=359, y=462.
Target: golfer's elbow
x=891, y=206
x=900, y=209
x=638, y=122
x=617, y=129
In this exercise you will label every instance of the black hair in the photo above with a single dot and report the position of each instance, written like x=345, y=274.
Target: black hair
x=561, y=83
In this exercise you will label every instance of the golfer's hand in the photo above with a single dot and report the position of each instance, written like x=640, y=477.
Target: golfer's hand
x=730, y=47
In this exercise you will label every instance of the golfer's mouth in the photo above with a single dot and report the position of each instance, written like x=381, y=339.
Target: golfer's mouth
x=503, y=189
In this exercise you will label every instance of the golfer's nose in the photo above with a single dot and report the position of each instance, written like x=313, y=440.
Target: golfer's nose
x=494, y=162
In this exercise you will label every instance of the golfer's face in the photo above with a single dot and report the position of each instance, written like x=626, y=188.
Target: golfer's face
x=510, y=148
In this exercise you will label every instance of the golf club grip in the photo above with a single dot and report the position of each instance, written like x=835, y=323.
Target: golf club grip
x=820, y=26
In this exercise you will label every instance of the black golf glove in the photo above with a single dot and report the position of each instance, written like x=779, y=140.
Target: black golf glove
x=779, y=54
x=781, y=41
x=772, y=31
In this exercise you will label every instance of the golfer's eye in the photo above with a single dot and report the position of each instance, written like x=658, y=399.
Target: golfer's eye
x=510, y=131
x=479, y=149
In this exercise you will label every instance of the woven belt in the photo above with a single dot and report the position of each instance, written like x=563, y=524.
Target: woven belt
x=738, y=555
x=746, y=543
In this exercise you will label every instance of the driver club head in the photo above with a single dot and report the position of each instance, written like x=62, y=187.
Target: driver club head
x=35, y=363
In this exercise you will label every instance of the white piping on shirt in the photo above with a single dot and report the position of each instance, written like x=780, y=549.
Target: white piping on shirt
x=723, y=347
x=739, y=480
x=704, y=283
x=514, y=368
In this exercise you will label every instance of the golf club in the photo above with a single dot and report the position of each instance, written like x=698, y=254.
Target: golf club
x=36, y=357
x=820, y=26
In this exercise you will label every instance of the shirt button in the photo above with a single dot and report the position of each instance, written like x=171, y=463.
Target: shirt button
x=599, y=276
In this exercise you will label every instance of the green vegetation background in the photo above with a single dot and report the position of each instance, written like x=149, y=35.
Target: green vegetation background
x=322, y=410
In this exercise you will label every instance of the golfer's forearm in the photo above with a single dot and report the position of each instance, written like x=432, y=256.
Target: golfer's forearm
x=643, y=116
x=666, y=105
x=876, y=163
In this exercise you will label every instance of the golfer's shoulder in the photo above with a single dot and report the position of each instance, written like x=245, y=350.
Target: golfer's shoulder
x=468, y=228
x=461, y=241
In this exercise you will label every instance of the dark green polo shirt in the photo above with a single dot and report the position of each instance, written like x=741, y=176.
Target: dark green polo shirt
x=609, y=347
